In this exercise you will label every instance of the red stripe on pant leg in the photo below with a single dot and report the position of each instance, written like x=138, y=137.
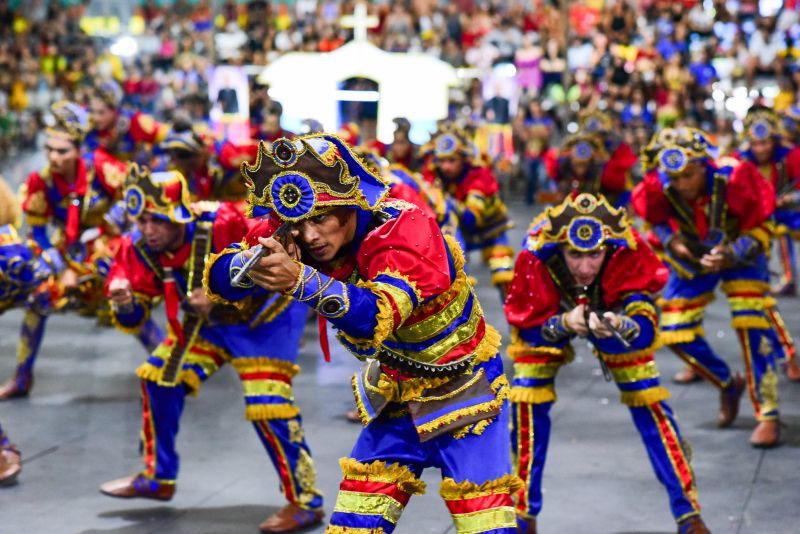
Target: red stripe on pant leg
x=783, y=333
x=265, y=375
x=148, y=435
x=383, y=488
x=749, y=371
x=694, y=364
x=524, y=454
x=478, y=504
x=284, y=470
x=788, y=276
x=632, y=363
x=675, y=451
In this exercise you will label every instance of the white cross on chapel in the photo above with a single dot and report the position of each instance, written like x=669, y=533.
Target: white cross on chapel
x=360, y=21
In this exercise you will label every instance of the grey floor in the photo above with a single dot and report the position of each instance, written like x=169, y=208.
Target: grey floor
x=79, y=428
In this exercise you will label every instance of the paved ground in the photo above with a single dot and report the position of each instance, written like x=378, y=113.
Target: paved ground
x=79, y=428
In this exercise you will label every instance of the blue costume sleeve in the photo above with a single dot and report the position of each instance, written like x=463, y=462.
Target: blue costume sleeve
x=550, y=334
x=351, y=308
x=664, y=233
x=221, y=269
x=132, y=318
x=745, y=247
x=39, y=234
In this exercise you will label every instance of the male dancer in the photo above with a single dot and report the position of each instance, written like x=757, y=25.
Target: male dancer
x=713, y=224
x=585, y=272
x=166, y=257
x=433, y=391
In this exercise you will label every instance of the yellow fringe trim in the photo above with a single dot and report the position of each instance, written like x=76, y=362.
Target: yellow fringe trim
x=456, y=252
x=360, y=408
x=151, y=373
x=496, y=251
x=705, y=298
x=213, y=297
x=257, y=412
x=673, y=337
x=395, y=274
x=378, y=471
x=520, y=349
x=455, y=415
x=747, y=286
x=478, y=428
x=144, y=302
x=759, y=323
x=634, y=355
x=450, y=490
x=644, y=397
x=405, y=390
x=762, y=235
x=488, y=346
x=385, y=318
x=502, y=277
x=447, y=296
x=336, y=529
x=360, y=343
x=540, y=395
x=249, y=365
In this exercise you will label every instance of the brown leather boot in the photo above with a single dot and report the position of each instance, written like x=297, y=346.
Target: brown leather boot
x=16, y=387
x=687, y=375
x=793, y=370
x=693, y=525
x=766, y=435
x=291, y=517
x=729, y=401
x=10, y=465
x=139, y=486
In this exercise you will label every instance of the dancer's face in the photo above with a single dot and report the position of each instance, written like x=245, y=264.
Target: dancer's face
x=159, y=234
x=324, y=235
x=584, y=266
x=691, y=183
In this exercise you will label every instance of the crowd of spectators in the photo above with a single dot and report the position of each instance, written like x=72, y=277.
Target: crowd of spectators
x=649, y=62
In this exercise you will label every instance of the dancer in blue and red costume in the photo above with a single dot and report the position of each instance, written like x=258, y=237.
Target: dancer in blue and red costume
x=129, y=136
x=582, y=259
x=165, y=257
x=713, y=222
x=24, y=272
x=583, y=166
x=211, y=168
x=407, y=185
x=482, y=215
x=432, y=393
x=767, y=146
x=621, y=157
x=65, y=206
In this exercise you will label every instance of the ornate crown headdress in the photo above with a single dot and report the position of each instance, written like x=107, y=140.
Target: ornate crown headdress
x=163, y=193
x=671, y=150
x=585, y=145
x=69, y=121
x=298, y=177
x=585, y=222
